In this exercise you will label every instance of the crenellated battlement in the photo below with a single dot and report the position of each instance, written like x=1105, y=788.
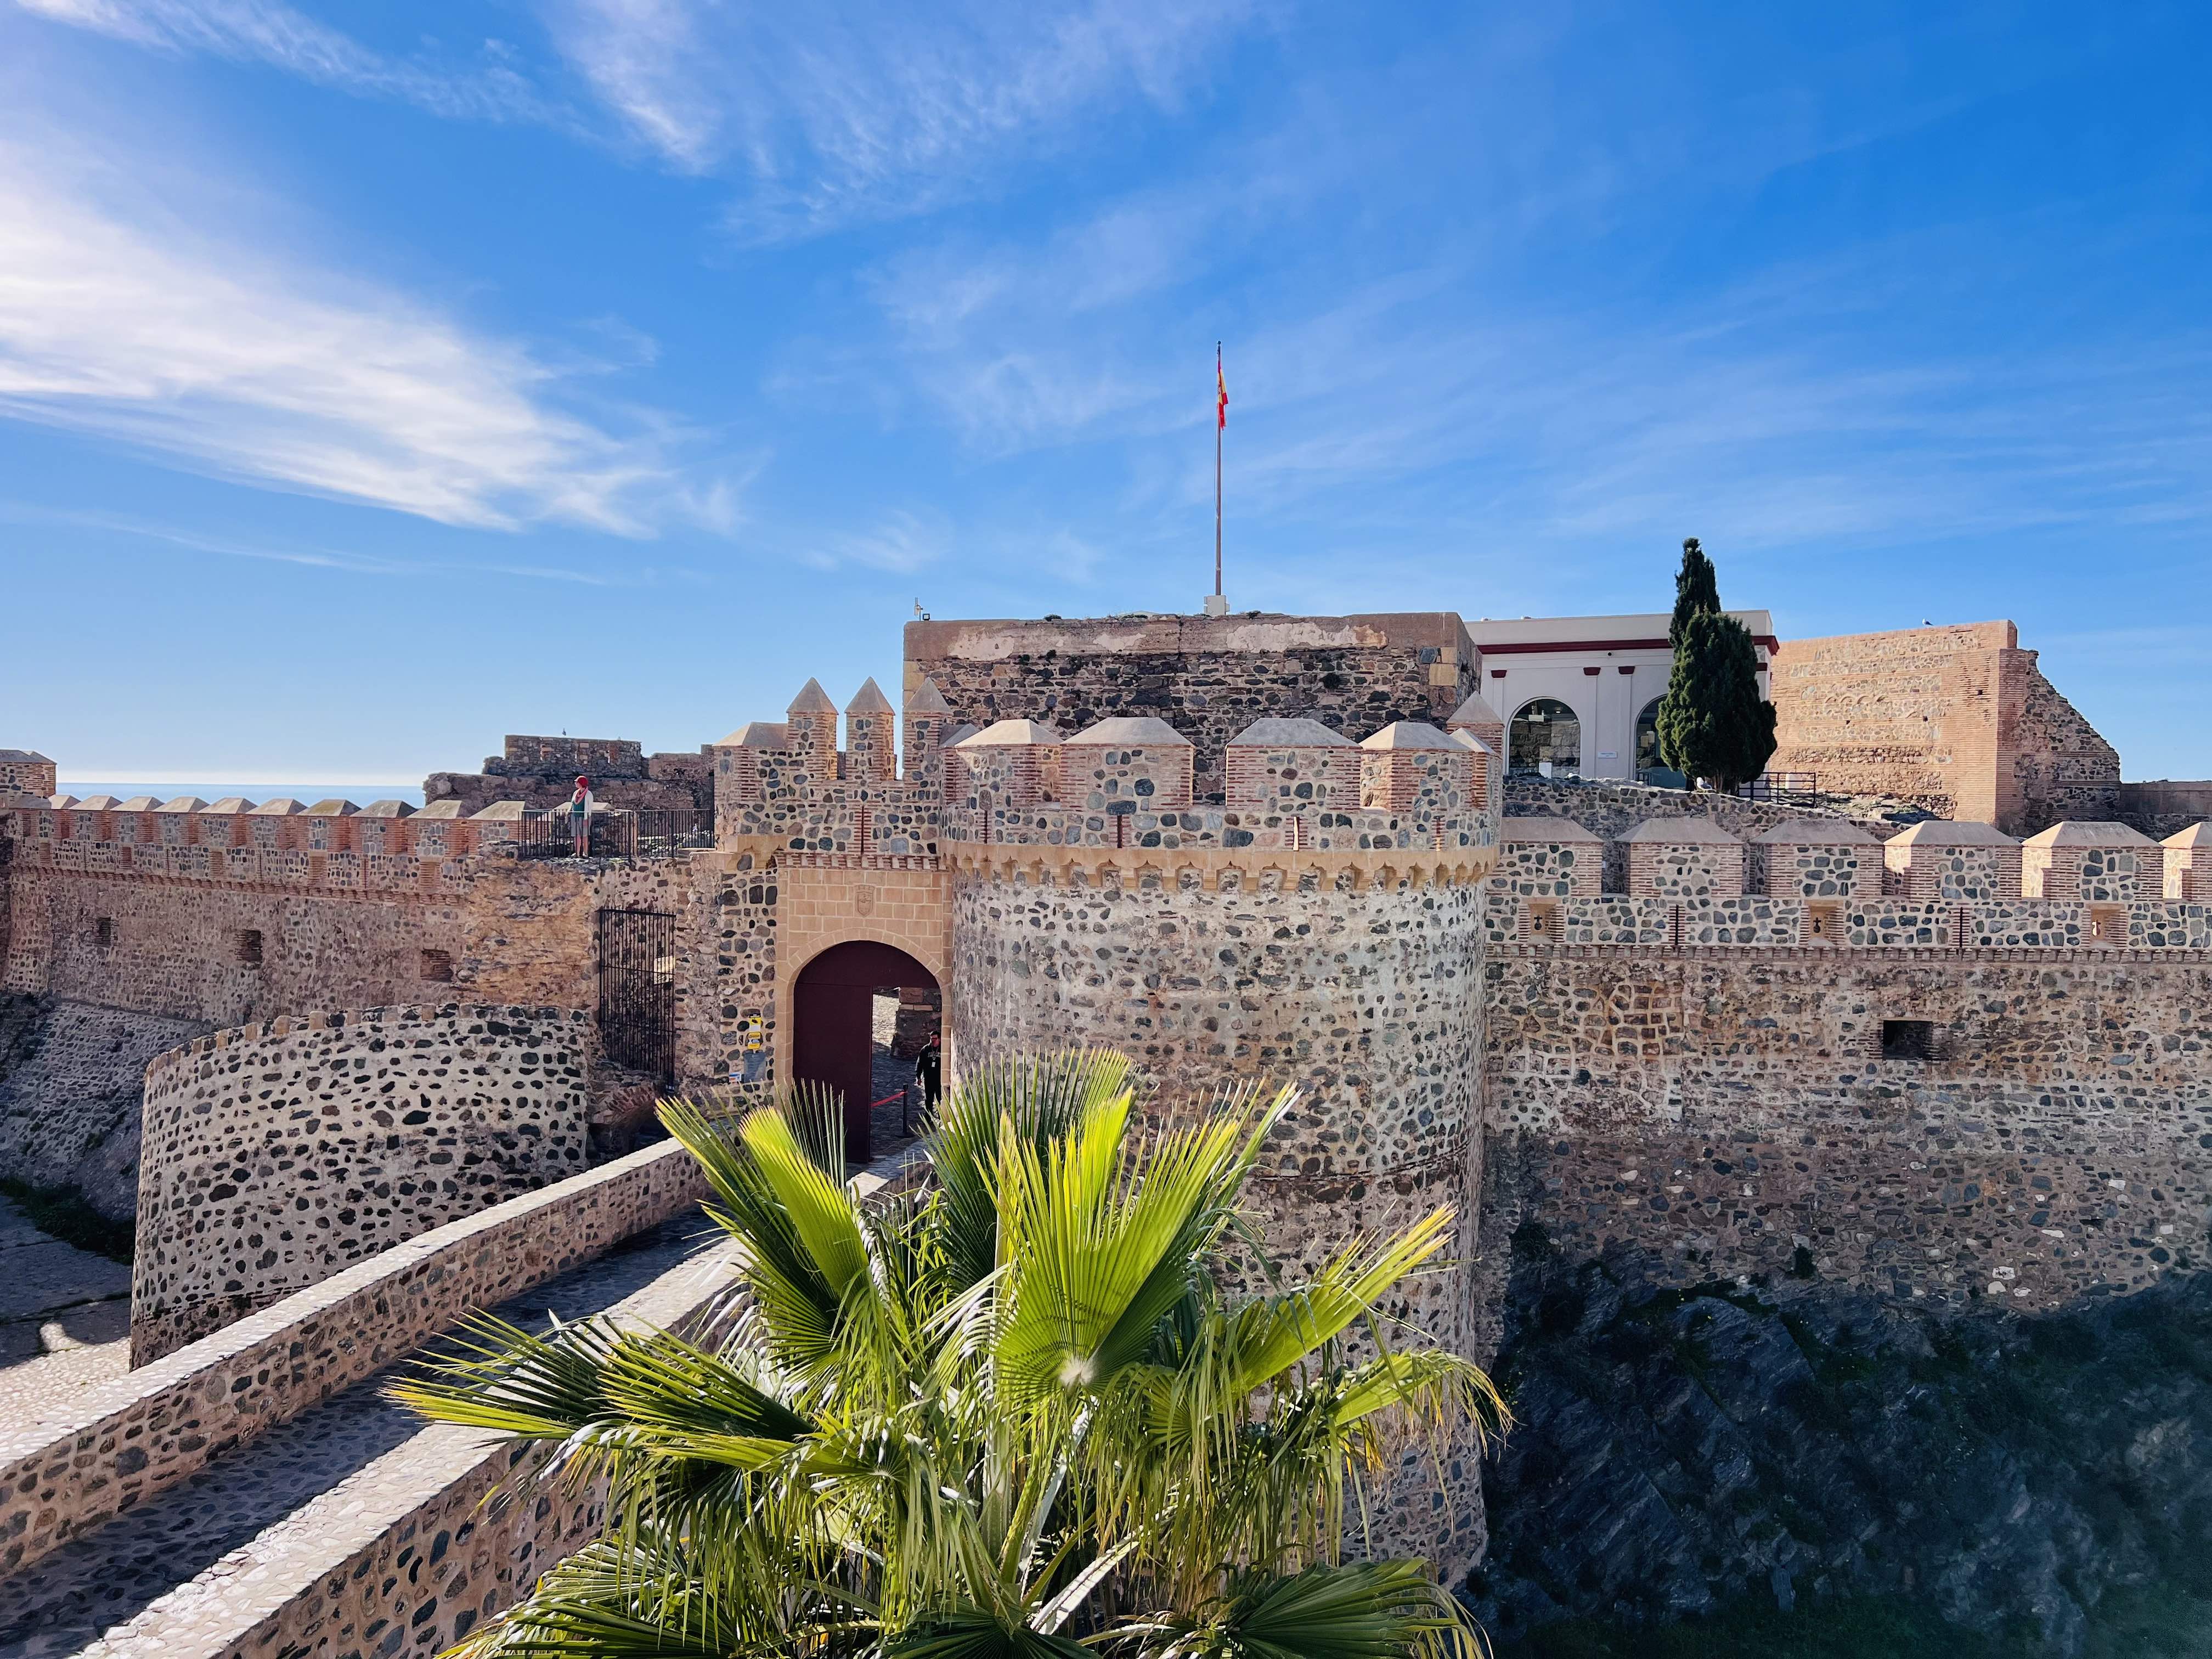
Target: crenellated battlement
x=1826, y=884
x=239, y=840
x=1290, y=785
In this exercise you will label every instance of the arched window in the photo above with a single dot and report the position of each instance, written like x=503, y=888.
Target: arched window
x=1647, y=739
x=1651, y=765
x=1546, y=738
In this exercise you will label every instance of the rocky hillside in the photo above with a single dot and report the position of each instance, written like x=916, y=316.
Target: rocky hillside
x=1682, y=1452
x=72, y=1079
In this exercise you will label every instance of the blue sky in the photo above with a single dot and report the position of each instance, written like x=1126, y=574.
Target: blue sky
x=375, y=381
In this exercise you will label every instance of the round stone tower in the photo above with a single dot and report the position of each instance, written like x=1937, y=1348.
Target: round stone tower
x=1320, y=928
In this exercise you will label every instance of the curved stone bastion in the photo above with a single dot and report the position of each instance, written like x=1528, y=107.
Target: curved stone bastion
x=1320, y=927
x=275, y=1155
x=1354, y=976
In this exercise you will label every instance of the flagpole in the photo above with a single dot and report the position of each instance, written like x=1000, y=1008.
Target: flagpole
x=1218, y=424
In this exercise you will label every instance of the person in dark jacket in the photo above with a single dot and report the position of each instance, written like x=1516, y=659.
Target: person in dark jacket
x=929, y=1071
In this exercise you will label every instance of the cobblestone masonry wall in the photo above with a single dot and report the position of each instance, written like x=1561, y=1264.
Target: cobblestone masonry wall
x=1209, y=678
x=276, y=1155
x=1610, y=810
x=1683, y=870
x=69, y=1105
x=1958, y=719
x=2054, y=764
x=1734, y=1111
x=412, y=1587
x=121, y=1442
x=30, y=772
x=1365, y=1000
x=405, y=1558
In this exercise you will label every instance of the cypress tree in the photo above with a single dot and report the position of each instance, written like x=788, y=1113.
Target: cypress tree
x=1712, y=723
x=1697, y=587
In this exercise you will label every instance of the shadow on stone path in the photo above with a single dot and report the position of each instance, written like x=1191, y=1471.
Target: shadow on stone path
x=64, y=1318
x=61, y=1605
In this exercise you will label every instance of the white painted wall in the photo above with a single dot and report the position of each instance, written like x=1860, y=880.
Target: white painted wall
x=1629, y=654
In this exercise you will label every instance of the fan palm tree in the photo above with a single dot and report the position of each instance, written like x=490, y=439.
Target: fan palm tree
x=1009, y=1415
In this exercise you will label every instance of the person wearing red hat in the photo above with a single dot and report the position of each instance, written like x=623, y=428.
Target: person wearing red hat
x=580, y=817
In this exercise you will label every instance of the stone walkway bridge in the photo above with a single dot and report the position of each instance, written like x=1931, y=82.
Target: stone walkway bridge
x=254, y=1494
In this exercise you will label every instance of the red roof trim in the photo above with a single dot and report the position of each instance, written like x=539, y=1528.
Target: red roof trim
x=1519, y=647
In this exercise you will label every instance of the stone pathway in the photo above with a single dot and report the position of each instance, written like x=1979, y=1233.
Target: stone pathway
x=63, y=1602
x=64, y=1318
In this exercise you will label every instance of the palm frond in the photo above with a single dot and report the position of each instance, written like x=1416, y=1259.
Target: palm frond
x=748, y=1208
x=1430, y=1384
x=658, y=1594
x=1041, y=1097
x=988, y=1418
x=1273, y=1333
x=501, y=1378
x=972, y=1633
x=1107, y=1241
x=1370, y=1610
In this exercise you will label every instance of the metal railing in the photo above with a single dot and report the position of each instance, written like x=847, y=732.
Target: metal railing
x=645, y=833
x=1780, y=786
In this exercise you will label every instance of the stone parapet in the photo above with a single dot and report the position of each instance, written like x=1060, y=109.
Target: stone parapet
x=1217, y=869
x=2155, y=930
x=1877, y=923
x=227, y=835
x=386, y=874
x=2188, y=863
x=2096, y=861
x=419, y=1543
x=1740, y=919
x=1291, y=785
x=1820, y=859
x=1684, y=858
x=121, y=1442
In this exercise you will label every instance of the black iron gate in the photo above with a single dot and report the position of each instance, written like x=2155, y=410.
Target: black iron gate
x=637, y=990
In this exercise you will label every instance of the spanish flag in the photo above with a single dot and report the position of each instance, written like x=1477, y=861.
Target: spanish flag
x=1220, y=393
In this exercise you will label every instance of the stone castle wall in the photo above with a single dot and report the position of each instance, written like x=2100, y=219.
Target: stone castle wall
x=273, y=1156
x=2052, y=763
x=1359, y=986
x=542, y=772
x=159, y=930
x=1911, y=714
x=1734, y=1110
x=1209, y=678
x=26, y=771
x=1958, y=719
x=1610, y=810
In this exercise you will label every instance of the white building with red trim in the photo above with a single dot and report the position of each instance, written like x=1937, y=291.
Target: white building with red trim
x=1576, y=692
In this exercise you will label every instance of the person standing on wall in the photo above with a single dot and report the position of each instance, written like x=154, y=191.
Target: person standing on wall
x=579, y=817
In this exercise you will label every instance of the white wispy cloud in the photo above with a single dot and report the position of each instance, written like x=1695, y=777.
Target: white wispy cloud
x=124, y=316
x=900, y=542
x=1441, y=397
x=628, y=575
x=832, y=114
x=280, y=36
x=821, y=116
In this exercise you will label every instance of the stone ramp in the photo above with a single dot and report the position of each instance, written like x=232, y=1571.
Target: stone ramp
x=153, y=1575
x=65, y=1316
